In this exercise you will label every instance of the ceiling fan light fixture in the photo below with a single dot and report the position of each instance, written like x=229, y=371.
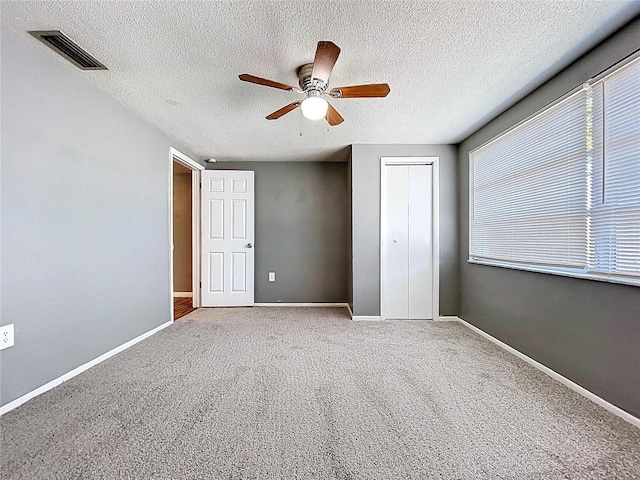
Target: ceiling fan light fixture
x=314, y=107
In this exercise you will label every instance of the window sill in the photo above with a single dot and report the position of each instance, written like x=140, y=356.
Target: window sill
x=558, y=271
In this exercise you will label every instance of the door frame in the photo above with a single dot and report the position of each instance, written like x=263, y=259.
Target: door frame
x=435, y=220
x=177, y=156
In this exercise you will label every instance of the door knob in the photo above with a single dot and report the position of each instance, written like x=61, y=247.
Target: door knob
x=249, y=245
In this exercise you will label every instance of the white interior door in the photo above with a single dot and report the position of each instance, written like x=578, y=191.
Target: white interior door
x=407, y=242
x=227, y=238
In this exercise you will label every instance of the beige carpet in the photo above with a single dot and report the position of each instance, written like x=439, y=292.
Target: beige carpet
x=289, y=393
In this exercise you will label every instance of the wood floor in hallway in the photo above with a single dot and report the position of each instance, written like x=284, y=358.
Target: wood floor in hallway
x=182, y=306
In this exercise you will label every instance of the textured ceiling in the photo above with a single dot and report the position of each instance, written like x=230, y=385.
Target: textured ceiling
x=451, y=65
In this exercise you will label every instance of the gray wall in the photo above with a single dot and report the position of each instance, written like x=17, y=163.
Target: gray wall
x=586, y=330
x=85, y=221
x=301, y=230
x=365, y=177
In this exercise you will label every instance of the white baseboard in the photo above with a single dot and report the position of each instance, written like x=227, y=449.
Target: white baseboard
x=361, y=318
x=556, y=376
x=334, y=305
x=182, y=294
x=449, y=318
x=54, y=383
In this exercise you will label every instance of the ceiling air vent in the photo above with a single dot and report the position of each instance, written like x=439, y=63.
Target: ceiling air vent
x=57, y=41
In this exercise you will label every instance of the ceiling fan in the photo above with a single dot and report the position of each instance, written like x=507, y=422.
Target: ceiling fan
x=313, y=79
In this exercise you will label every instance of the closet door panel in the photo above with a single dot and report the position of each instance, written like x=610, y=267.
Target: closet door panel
x=396, y=242
x=420, y=248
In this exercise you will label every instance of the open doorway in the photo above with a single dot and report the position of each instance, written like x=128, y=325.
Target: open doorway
x=184, y=213
x=182, y=241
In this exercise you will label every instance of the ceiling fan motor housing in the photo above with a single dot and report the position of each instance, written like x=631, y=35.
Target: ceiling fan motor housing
x=307, y=84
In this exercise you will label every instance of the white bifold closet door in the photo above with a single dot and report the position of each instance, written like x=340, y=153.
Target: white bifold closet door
x=407, y=242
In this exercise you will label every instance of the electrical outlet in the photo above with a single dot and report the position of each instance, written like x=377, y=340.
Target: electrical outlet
x=6, y=336
x=272, y=276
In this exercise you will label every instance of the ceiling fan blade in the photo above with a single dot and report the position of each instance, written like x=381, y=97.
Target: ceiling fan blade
x=283, y=111
x=362, y=91
x=264, y=81
x=326, y=56
x=333, y=117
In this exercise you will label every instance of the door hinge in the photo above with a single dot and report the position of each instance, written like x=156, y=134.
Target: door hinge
x=200, y=284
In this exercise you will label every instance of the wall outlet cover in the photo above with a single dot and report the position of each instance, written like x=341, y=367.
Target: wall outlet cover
x=6, y=336
x=272, y=276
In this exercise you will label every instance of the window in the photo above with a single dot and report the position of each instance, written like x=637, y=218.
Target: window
x=560, y=192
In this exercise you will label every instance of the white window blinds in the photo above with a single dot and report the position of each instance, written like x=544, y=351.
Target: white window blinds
x=529, y=191
x=616, y=208
x=561, y=192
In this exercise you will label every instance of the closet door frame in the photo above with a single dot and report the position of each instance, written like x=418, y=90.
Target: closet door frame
x=435, y=220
